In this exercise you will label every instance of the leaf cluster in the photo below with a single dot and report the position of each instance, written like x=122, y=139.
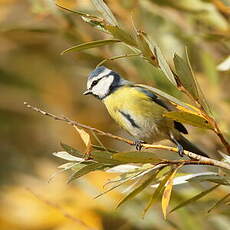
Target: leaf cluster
x=149, y=170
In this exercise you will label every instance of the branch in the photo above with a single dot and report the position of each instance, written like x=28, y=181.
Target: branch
x=199, y=159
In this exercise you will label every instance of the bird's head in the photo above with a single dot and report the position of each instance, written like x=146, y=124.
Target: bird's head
x=102, y=82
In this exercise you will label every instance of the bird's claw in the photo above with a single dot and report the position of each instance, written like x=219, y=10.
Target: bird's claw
x=180, y=150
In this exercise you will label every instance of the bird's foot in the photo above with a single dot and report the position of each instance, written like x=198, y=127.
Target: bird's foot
x=179, y=146
x=139, y=144
x=180, y=150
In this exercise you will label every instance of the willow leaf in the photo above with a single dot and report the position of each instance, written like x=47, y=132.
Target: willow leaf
x=157, y=193
x=90, y=45
x=185, y=76
x=142, y=184
x=71, y=150
x=105, y=11
x=167, y=191
x=189, y=118
x=85, y=170
x=160, y=59
x=136, y=157
x=195, y=198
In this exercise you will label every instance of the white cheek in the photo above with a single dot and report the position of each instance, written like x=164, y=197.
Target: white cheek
x=103, y=73
x=102, y=87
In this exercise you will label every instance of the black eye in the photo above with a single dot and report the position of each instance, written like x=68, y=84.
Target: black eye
x=94, y=83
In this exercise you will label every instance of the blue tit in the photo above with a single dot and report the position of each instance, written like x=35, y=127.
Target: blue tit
x=137, y=110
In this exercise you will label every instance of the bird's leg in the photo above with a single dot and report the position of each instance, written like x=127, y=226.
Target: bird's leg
x=179, y=146
x=138, y=144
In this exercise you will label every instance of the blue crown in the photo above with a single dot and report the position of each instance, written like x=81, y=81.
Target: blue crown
x=97, y=71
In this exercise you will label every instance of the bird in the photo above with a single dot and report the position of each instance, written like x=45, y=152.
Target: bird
x=138, y=110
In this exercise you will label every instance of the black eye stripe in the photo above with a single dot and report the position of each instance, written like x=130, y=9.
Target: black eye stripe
x=94, y=83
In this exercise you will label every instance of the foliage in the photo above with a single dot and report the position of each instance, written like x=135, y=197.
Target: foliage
x=201, y=27
x=183, y=78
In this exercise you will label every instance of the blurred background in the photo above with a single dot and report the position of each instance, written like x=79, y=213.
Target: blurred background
x=33, y=33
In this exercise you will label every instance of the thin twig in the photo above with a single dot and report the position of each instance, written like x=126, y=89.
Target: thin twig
x=201, y=159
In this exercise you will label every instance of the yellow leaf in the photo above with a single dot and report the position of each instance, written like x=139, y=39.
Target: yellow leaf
x=167, y=192
x=192, y=109
x=189, y=118
x=86, y=139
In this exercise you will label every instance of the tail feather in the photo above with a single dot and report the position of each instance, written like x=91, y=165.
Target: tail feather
x=187, y=145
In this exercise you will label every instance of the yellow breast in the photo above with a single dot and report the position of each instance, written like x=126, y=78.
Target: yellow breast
x=145, y=113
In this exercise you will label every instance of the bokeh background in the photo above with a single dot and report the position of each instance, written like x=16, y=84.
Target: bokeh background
x=33, y=33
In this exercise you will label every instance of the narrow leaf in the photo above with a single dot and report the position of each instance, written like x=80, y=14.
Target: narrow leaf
x=145, y=49
x=85, y=170
x=67, y=166
x=90, y=45
x=195, y=198
x=105, y=11
x=71, y=150
x=122, y=35
x=167, y=191
x=67, y=156
x=86, y=139
x=104, y=157
x=224, y=180
x=201, y=98
x=101, y=148
x=157, y=193
x=136, y=157
x=97, y=22
x=160, y=59
x=185, y=76
x=142, y=184
x=189, y=118
x=122, y=168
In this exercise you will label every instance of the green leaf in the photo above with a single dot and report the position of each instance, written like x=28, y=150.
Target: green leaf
x=185, y=76
x=136, y=157
x=122, y=35
x=93, y=20
x=118, y=57
x=157, y=193
x=71, y=150
x=224, y=180
x=85, y=170
x=195, y=198
x=101, y=148
x=142, y=184
x=160, y=59
x=90, y=45
x=104, y=157
x=189, y=118
x=105, y=11
x=67, y=166
x=145, y=49
x=125, y=177
x=67, y=156
x=96, y=22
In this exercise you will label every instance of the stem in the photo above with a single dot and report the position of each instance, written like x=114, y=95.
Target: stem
x=118, y=57
x=222, y=139
x=199, y=159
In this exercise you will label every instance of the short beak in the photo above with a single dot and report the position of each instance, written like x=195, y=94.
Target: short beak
x=87, y=92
